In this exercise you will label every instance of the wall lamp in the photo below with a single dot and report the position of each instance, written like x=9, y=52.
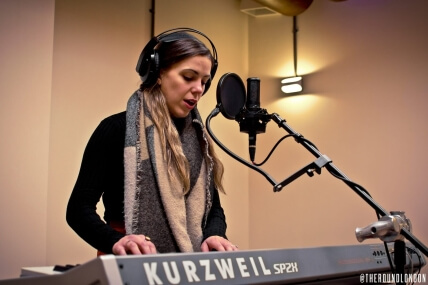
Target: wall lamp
x=293, y=84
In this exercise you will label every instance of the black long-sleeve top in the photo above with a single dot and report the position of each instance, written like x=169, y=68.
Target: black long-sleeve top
x=102, y=175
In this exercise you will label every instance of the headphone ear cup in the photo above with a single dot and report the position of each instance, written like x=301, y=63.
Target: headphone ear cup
x=143, y=67
x=148, y=61
x=152, y=70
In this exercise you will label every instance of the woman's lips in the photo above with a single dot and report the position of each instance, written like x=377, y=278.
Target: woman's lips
x=190, y=103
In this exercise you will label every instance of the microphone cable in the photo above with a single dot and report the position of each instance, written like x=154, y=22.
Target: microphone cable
x=214, y=113
x=296, y=137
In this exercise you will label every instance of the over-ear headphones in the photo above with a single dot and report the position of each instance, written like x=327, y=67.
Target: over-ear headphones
x=148, y=63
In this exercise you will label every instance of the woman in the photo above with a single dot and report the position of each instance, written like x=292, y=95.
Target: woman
x=154, y=165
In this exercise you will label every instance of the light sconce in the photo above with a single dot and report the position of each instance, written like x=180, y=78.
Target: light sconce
x=293, y=84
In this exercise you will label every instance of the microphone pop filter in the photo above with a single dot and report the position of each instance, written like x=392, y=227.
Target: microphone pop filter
x=230, y=95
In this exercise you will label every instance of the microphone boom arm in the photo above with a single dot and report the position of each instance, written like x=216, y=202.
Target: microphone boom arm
x=321, y=161
x=308, y=169
x=337, y=173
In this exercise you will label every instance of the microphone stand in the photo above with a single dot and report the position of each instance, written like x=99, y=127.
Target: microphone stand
x=324, y=161
x=399, y=256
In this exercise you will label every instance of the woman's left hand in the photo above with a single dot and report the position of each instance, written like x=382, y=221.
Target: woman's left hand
x=217, y=243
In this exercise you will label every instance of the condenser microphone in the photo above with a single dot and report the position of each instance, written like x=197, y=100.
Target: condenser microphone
x=246, y=111
x=249, y=121
x=231, y=103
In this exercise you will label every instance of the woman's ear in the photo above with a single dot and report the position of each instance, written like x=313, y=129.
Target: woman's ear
x=159, y=80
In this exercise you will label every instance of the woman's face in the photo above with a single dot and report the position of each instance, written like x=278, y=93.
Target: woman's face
x=184, y=83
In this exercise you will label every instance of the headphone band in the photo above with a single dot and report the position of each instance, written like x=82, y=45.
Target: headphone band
x=179, y=30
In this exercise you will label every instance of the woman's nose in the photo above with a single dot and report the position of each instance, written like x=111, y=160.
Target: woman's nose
x=198, y=88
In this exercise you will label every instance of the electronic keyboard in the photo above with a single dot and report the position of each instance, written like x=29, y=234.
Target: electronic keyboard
x=313, y=265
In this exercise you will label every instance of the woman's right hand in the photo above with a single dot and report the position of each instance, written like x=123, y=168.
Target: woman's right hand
x=134, y=244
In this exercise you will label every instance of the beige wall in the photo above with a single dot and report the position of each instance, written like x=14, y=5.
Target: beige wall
x=364, y=107
x=26, y=32
x=96, y=47
x=365, y=63
x=365, y=66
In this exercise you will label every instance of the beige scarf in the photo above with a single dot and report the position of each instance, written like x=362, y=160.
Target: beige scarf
x=154, y=205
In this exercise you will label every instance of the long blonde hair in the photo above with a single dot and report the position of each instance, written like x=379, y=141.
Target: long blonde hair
x=170, y=53
x=171, y=143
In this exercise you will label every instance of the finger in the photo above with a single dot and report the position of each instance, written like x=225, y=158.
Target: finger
x=204, y=247
x=132, y=247
x=147, y=248
x=119, y=250
x=229, y=247
x=232, y=247
x=145, y=244
x=219, y=247
x=149, y=245
x=153, y=249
